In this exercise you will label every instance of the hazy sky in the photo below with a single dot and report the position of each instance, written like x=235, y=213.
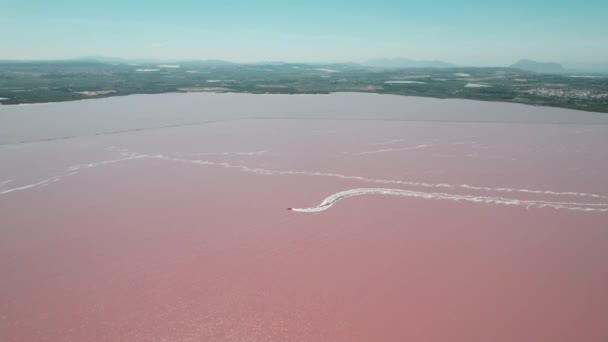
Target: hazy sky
x=463, y=32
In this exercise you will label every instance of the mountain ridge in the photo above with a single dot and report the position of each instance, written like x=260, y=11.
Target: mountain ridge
x=539, y=67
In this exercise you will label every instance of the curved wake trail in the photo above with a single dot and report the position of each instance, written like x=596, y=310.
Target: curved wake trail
x=331, y=200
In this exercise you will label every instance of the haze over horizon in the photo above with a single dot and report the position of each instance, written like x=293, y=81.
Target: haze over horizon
x=477, y=33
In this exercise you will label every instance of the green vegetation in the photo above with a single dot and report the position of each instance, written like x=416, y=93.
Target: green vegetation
x=36, y=82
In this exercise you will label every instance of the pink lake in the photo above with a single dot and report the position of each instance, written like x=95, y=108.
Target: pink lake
x=163, y=218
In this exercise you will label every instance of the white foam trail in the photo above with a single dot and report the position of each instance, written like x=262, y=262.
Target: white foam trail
x=253, y=153
x=471, y=143
x=41, y=183
x=389, y=142
x=2, y=184
x=70, y=172
x=331, y=200
x=392, y=150
x=536, y=192
x=382, y=181
x=133, y=156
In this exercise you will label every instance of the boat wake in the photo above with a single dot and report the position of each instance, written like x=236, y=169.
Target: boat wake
x=331, y=200
x=527, y=198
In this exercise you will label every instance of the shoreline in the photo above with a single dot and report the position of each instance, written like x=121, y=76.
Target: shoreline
x=113, y=95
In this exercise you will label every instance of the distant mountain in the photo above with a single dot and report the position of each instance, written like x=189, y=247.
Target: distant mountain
x=539, y=67
x=394, y=63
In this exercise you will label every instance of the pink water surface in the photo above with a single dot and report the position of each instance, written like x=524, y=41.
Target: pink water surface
x=173, y=226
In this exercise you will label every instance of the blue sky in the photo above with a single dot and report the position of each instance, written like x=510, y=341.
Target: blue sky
x=462, y=32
